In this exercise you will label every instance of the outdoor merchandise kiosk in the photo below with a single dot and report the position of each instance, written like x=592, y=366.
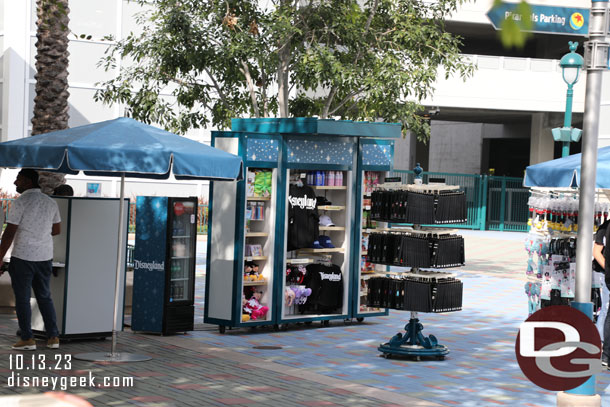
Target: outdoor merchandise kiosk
x=285, y=244
x=164, y=264
x=83, y=287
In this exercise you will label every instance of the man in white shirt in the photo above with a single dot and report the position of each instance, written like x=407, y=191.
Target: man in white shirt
x=30, y=224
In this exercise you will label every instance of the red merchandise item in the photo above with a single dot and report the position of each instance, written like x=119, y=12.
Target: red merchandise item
x=178, y=208
x=254, y=307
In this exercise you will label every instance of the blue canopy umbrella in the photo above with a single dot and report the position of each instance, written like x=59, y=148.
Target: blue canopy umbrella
x=121, y=147
x=565, y=172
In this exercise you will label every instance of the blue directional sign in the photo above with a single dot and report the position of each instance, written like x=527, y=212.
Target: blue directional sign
x=545, y=19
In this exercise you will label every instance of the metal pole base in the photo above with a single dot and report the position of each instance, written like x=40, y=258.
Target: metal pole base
x=571, y=400
x=111, y=357
x=413, y=343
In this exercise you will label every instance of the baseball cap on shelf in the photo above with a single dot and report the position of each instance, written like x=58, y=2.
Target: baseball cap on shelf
x=325, y=220
x=322, y=201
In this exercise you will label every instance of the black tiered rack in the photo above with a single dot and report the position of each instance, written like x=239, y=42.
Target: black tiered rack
x=417, y=290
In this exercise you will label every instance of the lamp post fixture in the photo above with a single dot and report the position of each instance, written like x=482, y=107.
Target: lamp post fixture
x=570, y=64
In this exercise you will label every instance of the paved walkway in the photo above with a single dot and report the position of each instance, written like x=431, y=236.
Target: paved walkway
x=334, y=366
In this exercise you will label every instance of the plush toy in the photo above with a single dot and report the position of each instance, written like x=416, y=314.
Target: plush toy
x=251, y=272
x=254, y=307
x=300, y=294
x=289, y=296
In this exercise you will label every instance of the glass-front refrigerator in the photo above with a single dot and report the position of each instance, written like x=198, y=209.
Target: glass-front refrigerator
x=164, y=264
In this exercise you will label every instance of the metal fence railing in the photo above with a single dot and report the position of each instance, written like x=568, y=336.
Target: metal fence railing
x=507, y=204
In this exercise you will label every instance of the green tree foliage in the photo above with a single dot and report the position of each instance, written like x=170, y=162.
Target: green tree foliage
x=359, y=60
x=516, y=32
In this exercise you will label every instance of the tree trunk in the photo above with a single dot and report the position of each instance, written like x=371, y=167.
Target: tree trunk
x=51, y=100
x=282, y=79
x=282, y=72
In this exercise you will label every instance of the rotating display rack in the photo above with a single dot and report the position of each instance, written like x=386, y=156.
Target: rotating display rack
x=416, y=290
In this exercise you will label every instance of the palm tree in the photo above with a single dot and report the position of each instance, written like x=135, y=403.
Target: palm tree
x=51, y=100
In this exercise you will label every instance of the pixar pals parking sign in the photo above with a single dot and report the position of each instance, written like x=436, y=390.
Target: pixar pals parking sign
x=577, y=20
x=558, y=348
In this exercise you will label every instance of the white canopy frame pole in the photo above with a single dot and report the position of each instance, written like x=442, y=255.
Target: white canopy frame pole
x=113, y=356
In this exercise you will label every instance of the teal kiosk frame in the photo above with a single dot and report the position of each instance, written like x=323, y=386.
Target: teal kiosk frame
x=286, y=146
x=368, y=149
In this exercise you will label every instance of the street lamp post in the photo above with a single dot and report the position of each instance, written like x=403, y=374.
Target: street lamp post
x=570, y=64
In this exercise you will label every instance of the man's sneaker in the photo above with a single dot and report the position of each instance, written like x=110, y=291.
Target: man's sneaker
x=29, y=344
x=53, y=343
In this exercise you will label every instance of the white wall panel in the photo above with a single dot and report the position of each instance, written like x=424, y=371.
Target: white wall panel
x=130, y=9
x=2, y=14
x=84, y=110
x=84, y=57
x=518, y=88
x=94, y=17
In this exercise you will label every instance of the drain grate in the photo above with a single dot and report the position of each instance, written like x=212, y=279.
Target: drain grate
x=267, y=347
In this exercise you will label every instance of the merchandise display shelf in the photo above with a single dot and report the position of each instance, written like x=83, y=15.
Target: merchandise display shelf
x=300, y=260
x=255, y=283
x=329, y=187
x=412, y=343
x=332, y=228
x=277, y=155
x=331, y=208
x=329, y=250
x=250, y=258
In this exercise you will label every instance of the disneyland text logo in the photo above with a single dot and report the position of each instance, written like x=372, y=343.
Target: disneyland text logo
x=302, y=202
x=558, y=348
x=149, y=266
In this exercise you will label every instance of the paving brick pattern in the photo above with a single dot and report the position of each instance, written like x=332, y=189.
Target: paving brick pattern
x=315, y=366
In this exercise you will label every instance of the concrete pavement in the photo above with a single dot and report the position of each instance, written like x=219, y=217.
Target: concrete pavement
x=315, y=366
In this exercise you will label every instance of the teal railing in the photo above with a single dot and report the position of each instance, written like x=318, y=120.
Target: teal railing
x=507, y=204
x=494, y=203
